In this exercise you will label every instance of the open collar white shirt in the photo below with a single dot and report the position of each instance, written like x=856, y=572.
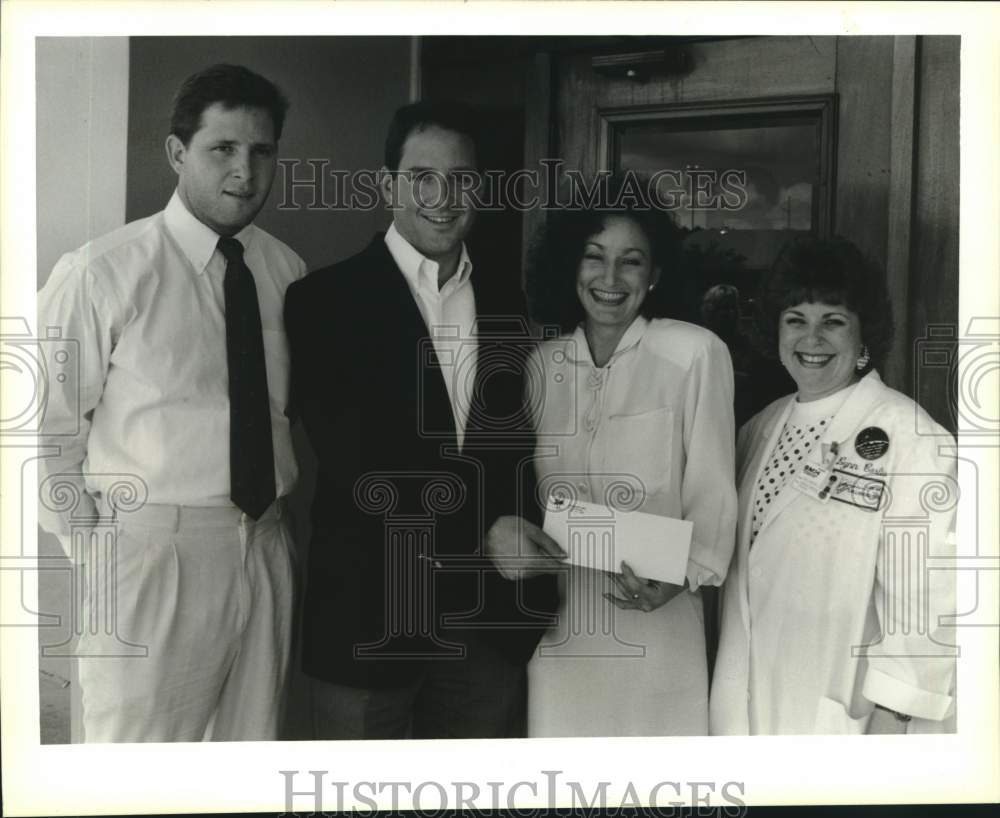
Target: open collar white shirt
x=449, y=312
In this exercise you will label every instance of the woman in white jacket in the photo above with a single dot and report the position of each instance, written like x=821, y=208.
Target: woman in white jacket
x=832, y=611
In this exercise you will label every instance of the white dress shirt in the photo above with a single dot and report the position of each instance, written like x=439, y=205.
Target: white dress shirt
x=450, y=315
x=142, y=310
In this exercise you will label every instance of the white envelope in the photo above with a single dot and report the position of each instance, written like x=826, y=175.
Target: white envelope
x=601, y=537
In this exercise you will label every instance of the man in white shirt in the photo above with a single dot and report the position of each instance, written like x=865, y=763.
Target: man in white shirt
x=415, y=411
x=177, y=434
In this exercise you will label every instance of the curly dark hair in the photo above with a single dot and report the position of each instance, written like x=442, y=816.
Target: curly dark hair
x=557, y=248
x=233, y=86
x=830, y=271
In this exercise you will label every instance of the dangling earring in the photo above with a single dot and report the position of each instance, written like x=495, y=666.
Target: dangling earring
x=863, y=358
x=651, y=286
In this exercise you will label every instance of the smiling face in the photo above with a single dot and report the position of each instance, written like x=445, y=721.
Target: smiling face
x=429, y=209
x=819, y=345
x=615, y=274
x=225, y=171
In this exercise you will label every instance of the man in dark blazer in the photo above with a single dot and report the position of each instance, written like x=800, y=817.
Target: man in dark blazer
x=408, y=373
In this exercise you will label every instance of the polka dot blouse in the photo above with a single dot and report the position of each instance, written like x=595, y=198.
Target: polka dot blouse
x=806, y=424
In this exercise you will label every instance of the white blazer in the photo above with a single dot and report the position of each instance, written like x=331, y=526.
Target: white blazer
x=835, y=609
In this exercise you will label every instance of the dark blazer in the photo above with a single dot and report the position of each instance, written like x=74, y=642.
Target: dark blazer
x=396, y=563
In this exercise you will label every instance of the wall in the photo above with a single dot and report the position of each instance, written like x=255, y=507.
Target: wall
x=81, y=112
x=898, y=162
x=935, y=217
x=81, y=109
x=342, y=91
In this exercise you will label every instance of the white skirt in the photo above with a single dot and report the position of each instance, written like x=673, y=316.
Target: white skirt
x=602, y=671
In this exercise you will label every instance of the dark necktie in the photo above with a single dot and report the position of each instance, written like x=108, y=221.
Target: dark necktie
x=251, y=452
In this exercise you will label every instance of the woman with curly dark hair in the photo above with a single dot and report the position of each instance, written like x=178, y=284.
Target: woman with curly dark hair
x=634, y=412
x=820, y=615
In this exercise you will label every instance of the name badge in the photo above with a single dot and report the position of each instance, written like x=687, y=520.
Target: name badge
x=858, y=490
x=818, y=480
x=814, y=480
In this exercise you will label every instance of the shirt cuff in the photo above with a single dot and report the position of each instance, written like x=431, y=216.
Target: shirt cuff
x=698, y=575
x=902, y=697
x=76, y=559
x=59, y=524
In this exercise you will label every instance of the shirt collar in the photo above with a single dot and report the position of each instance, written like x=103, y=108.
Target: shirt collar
x=815, y=410
x=579, y=351
x=197, y=241
x=420, y=271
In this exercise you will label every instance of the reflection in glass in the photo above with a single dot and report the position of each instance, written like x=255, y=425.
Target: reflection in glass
x=738, y=183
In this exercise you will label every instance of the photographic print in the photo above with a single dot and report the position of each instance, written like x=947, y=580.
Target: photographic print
x=431, y=412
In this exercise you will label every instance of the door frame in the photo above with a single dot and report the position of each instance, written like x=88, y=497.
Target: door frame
x=825, y=105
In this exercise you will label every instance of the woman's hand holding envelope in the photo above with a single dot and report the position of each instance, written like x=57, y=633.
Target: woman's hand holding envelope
x=640, y=594
x=521, y=549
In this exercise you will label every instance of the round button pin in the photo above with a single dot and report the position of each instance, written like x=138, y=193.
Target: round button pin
x=871, y=443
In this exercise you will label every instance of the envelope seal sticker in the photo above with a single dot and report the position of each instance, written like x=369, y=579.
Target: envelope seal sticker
x=871, y=443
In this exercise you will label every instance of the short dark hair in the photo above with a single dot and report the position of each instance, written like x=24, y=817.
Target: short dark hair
x=830, y=271
x=557, y=248
x=233, y=86
x=418, y=116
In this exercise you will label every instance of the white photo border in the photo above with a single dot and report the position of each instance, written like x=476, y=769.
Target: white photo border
x=84, y=779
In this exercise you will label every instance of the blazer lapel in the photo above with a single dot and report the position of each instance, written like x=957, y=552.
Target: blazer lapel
x=854, y=410
x=502, y=344
x=392, y=290
x=405, y=321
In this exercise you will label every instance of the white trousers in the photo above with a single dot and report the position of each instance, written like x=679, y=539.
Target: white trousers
x=206, y=595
